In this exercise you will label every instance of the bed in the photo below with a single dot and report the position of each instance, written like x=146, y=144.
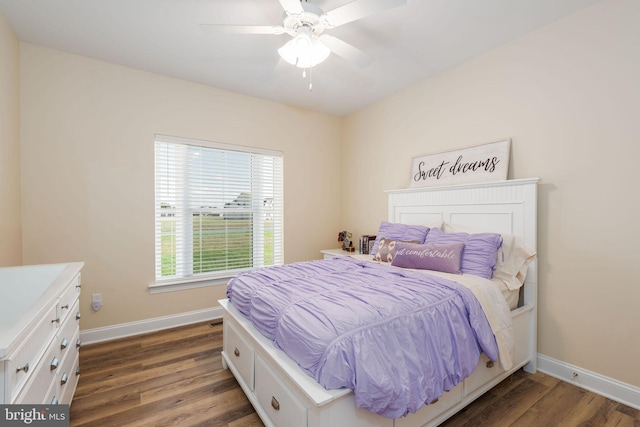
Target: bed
x=287, y=393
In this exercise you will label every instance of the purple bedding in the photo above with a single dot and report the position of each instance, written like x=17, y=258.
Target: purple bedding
x=397, y=338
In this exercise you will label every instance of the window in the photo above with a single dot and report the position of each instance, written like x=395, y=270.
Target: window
x=218, y=210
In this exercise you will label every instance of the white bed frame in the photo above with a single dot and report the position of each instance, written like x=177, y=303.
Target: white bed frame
x=284, y=396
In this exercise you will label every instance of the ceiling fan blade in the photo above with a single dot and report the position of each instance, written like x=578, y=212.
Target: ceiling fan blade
x=357, y=9
x=346, y=51
x=292, y=7
x=242, y=29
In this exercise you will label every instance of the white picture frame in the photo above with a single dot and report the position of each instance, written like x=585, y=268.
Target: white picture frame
x=480, y=163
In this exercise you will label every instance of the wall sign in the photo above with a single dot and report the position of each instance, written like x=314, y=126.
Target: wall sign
x=487, y=162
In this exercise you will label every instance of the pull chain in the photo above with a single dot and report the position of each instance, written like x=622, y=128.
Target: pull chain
x=304, y=76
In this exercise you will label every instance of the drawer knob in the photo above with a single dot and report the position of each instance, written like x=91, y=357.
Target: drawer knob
x=65, y=307
x=78, y=343
x=274, y=403
x=78, y=370
x=490, y=364
x=24, y=368
x=64, y=379
x=56, y=320
x=63, y=344
x=78, y=316
x=54, y=401
x=236, y=352
x=54, y=363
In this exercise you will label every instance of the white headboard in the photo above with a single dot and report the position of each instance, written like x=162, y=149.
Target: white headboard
x=501, y=207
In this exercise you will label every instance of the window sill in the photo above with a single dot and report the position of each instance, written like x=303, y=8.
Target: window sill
x=181, y=285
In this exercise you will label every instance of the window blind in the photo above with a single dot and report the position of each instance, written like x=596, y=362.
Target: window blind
x=218, y=209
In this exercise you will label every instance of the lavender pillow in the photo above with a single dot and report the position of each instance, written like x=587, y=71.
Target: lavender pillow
x=396, y=231
x=387, y=249
x=445, y=257
x=480, y=252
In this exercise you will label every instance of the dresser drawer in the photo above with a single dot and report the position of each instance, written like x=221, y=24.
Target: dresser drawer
x=23, y=362
x=36, y=389
x=67, y=376
x=282, y=407
x=67, y=334
x=485, y=371
x=67, y=390
x=240, y=353
x=68, y=299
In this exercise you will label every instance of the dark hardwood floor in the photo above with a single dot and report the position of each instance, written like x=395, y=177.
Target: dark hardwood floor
x=175, y=378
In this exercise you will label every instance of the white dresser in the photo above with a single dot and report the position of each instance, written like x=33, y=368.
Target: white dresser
x=39, y=333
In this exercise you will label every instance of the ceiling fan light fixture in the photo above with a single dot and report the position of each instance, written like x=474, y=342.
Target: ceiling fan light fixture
x=304, y=51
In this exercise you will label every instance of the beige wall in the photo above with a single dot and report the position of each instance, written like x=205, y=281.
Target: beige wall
x=10, y=222
x=88, y=177
x=569, y=97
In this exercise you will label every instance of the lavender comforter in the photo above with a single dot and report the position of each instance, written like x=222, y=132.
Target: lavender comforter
x=398, y=338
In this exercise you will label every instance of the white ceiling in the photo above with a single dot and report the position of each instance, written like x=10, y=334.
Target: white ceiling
x=408, y=43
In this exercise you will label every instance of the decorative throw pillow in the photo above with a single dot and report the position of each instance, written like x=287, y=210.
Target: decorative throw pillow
x=396, y=231
x=445, y=257
x=387, y=249
x=513, y=258
x=480, y=250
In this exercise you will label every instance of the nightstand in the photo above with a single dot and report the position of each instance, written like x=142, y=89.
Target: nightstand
x=331, y=253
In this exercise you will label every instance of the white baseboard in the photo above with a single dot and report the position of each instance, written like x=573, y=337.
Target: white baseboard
x=148, y=325
x=604, y=386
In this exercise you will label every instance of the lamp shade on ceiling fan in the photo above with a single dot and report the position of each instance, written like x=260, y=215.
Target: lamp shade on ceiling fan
x=305, y=50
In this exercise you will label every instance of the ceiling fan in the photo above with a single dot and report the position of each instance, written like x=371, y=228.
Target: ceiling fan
x=306, y=23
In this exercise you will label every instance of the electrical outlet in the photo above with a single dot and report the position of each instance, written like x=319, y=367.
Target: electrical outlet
x=96, y=302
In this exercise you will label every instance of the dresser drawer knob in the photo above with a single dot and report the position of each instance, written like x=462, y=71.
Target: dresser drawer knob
x=54, y=363
x=78, y=343
x=490, y=364
x=274, y=403
x=65, y=307
x=236, y=352
x=78, y=316
x=64, y=379
x=63, y=344
x=78, y=370
x=24, y=368
x=56, y=320
x=54, y=401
